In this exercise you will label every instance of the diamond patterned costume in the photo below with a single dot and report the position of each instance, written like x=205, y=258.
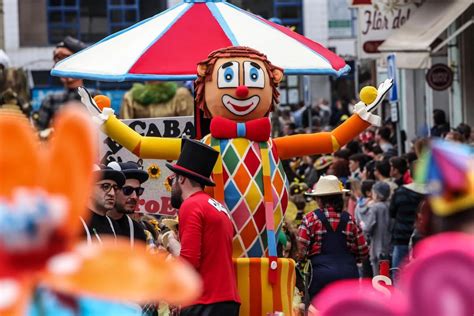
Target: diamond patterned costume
x=243, y=181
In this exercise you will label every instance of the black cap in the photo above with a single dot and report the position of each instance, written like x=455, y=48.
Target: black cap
x=130, y=169
x=106, y=173
x=71, y=43
x=195, y=162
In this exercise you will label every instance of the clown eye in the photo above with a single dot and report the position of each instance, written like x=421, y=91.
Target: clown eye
x=253, y=74
x=228, y=75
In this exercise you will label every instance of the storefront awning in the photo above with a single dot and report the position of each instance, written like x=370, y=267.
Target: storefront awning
x=412, y=42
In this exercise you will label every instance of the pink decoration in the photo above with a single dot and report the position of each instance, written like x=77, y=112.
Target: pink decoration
x=438, y=282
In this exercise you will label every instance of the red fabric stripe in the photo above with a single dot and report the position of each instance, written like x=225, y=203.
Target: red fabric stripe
x=361, y=2
x=277, y=295
x=255, y=288
x=192, y=37
x=336, y=61
x=179, y=168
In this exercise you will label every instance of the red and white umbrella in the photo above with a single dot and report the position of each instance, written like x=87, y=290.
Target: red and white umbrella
x=169, y=45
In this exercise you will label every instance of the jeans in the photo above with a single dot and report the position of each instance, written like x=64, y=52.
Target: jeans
x=399, y=253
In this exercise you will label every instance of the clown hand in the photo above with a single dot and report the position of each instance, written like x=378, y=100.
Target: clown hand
x=361, y=110
x=373, y=101
x=100, y=113
x=370, y=98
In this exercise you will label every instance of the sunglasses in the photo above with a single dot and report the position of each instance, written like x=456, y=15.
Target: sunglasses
x=106, y=187
x=127, y=190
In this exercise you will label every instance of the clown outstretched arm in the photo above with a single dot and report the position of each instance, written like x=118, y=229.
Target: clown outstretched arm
x=142, y=146
x=328, y=142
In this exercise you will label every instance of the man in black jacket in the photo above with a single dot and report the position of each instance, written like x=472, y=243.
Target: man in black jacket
x=403, y=207
x=127, y=200
x=102, y=200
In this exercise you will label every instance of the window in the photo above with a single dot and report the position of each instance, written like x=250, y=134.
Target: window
x=94, y=23
x=63, y=19
x=290, y=12
x=263, y=8
x=122, y=14
x=92, y=20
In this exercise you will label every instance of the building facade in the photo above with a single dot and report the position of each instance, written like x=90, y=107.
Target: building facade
x=33, y=27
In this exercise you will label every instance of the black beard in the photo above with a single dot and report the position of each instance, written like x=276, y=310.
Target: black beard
x=176, y=197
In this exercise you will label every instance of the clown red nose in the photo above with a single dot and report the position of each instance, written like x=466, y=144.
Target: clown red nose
x=242, y=91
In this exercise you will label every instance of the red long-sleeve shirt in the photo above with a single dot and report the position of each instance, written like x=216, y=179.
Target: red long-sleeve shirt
x=311, y=231
x=206, y=233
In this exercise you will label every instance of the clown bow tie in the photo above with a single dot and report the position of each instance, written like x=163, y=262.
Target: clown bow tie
x=256, y=130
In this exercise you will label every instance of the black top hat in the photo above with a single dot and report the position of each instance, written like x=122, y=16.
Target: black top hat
x=130, y=169
x=106, y=173
x=195, y=162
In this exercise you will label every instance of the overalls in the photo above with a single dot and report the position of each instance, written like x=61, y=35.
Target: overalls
x=335, y=262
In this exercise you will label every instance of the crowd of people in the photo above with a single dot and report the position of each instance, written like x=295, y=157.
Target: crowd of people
x=378, y=210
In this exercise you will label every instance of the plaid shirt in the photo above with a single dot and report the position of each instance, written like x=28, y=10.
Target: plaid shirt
x=53, y=102
x=311, y=231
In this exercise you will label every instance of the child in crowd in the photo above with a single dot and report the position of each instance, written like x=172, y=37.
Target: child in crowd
x=377, y=225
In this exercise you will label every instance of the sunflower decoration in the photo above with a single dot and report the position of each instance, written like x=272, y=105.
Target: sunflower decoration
x=154, y=171
x=167, y=185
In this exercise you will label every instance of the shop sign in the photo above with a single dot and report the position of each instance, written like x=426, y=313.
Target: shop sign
x=379, y=20
x=439, y=77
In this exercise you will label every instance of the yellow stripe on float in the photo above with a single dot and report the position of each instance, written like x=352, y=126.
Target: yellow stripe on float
x=284, y=286
x=267, y=294
x=243, y=283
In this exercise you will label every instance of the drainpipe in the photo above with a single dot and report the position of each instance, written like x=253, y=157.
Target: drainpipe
x=456, y=111
x=2, y=27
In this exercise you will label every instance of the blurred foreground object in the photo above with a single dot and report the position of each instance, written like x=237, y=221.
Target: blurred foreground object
x=44, y=189
x=438, y=282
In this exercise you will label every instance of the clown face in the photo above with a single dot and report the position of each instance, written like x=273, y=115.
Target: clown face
x=240, y=89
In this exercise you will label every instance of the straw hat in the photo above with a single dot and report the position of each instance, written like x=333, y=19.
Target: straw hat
x=328, y=185
x=171, y=223
x=323, y=162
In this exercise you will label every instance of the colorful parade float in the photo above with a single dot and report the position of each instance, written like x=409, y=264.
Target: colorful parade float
x=238, y=60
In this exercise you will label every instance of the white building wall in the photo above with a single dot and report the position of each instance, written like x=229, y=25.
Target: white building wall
x=173, y=2
x=10, y=24
x=344, y=46
x=316, y=27
x=33, y=58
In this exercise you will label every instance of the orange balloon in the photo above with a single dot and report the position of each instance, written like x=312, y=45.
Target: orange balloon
x=68, y=165
x=19, y=160
x=102, y=101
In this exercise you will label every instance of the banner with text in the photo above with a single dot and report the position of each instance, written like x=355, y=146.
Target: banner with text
x=156, y=198
x=379, y=20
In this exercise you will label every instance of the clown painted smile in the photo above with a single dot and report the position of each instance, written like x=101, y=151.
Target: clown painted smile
x=240, y=107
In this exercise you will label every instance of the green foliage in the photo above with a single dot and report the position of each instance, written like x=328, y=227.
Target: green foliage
x=153, y=93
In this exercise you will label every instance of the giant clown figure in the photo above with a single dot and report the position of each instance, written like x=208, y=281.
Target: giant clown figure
x=237, y=89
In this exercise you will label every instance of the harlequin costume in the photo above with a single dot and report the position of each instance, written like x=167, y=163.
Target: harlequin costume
x=237, y=88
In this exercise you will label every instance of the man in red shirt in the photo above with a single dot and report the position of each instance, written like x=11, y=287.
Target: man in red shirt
x=205, y=231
